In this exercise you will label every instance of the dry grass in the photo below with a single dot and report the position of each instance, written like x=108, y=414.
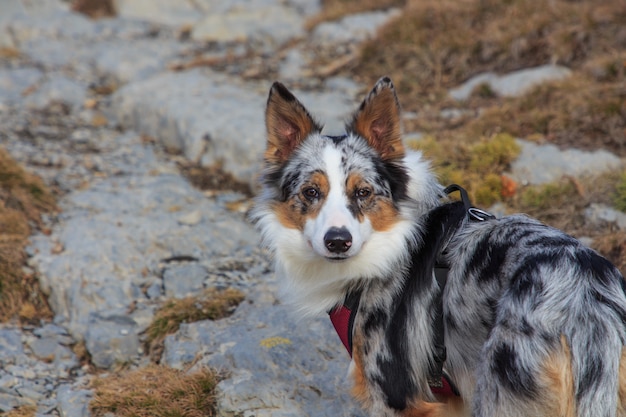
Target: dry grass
x=212, y=305
x=95, y=9
x=435, y=45
x=23, y=198
x=155, y=391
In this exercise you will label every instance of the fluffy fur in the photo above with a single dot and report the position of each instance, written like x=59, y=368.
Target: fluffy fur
x=534, y=321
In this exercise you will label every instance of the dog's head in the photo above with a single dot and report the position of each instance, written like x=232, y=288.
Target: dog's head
x=339, y=200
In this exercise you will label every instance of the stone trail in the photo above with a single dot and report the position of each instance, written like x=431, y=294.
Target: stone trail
x=133, y=231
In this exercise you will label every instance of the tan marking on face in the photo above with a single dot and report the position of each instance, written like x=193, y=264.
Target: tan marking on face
x=557, y=380
x=294, y=212
x=383, y=215
x=380, y=210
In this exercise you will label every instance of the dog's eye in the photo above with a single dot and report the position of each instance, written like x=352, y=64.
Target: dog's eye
x=311, y=193
x=363, y=193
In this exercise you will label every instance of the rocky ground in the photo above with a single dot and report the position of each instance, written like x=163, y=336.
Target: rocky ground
x=107, y=112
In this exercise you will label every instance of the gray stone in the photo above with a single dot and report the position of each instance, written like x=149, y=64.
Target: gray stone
x=212, y=120
x=134, y=60
x=513, y=84
x=294, y=65
x=180, y=354
x=112, y=340
x=8, y=402
x=58, y=89
x=168, y=12
x=201, y=114
x=22, y=28
x=352, y=28
x=540, y=164
x=272, y=25
x=601, y=213
x=50, y=349
x=184, y=280
x=333, y=108
x=73, y=401
x=14, y=83
x=191, y=219
x=519, y=82
x=10, y=343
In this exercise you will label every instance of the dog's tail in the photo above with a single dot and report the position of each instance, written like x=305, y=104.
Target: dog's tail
x=596, y=338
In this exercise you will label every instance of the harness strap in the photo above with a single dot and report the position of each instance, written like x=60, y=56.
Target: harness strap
x=342, y=317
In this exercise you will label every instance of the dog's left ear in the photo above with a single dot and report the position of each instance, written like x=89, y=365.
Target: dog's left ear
x=288, y=124
x=378, y=120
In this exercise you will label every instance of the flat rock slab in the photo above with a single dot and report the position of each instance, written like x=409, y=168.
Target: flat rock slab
x=279, y=364
x=352, y=28
x=512, y=84
x=544, y=163
x=111, y=239
x=211, y=119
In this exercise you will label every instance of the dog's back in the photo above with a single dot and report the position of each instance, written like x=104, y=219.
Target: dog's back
x=537, y=318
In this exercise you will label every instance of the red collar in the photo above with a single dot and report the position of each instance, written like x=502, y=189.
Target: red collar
x=343, y=320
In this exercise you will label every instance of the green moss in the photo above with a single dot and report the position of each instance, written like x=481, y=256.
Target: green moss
x=548, y=196
x=619, y=197
x=493, y=155
x=489, y=191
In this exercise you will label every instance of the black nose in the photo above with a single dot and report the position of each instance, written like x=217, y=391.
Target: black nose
x=338, y=240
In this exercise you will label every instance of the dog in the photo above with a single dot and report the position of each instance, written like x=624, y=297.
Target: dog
x=448, y=310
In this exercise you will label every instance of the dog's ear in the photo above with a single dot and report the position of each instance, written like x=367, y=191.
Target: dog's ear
x=378, y=120
x=288, y=123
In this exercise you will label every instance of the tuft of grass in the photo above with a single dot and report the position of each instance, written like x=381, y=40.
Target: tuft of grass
x=543, y=199
x=95, y=9
x=23, y=411
x=23, y=198
x=619, y=195
x=478, y=166
x=212, y=305
x=155, y=391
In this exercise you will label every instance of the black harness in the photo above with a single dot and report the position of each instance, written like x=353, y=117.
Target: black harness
x=343, y=316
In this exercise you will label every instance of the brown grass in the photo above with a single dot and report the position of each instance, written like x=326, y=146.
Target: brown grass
x=95, y=9
x=23, y=198
x=23, y=411
x=212, y=305
x=155, y=391
x=435, y=45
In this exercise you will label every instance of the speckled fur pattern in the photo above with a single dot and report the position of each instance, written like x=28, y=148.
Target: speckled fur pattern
x=534, y=321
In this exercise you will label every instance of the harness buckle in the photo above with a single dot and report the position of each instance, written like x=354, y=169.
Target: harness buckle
x=480, y=215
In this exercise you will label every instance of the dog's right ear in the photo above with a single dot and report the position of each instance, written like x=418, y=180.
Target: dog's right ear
x=288, y=123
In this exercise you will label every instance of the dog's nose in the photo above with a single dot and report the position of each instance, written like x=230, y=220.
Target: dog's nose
x=338, y=240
